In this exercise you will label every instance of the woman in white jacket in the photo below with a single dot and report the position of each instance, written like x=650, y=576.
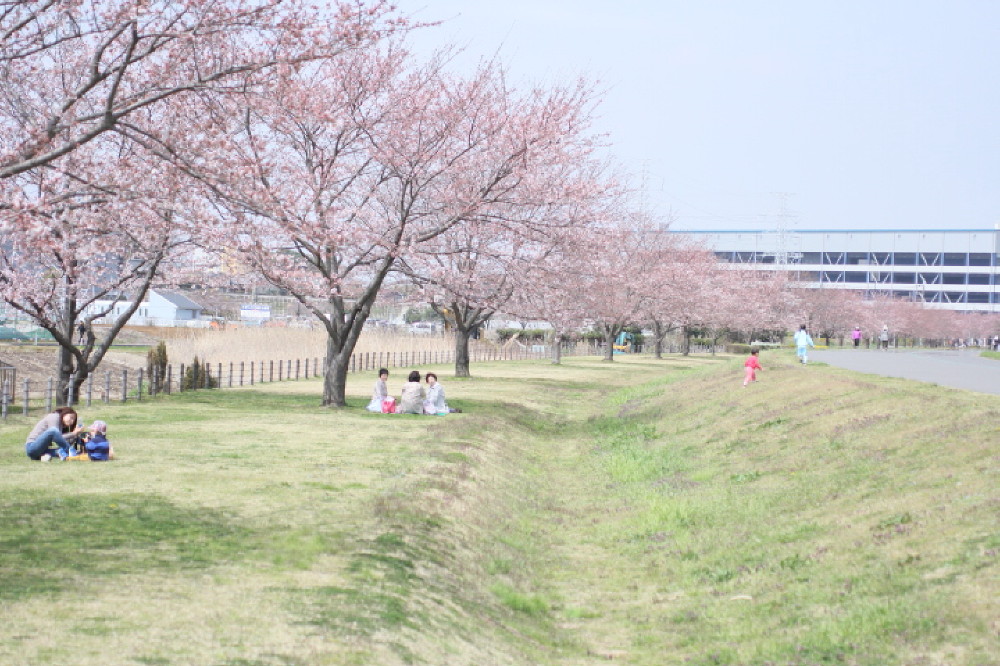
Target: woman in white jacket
x=435, y=404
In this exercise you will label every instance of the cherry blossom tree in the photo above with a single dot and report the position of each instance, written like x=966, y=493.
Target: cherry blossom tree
x=337, y=171
x=482, y=266
x=110, y=220
x=72, y=70
x=80, y=81
x=828, y=312
x=616, y=276
x=551, y=290
x=681, y=277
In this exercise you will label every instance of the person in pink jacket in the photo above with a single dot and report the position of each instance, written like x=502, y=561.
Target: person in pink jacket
x=752, y=365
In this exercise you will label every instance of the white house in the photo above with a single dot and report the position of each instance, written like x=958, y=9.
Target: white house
x=160, y=308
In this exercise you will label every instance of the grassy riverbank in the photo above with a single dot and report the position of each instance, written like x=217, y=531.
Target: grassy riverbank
x=646, y=512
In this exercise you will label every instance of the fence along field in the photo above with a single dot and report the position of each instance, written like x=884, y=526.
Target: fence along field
x=233, y=358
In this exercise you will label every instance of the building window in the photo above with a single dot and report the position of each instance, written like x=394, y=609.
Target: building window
x=929, y=278
x=954, y=296
x=904, y=278
x=980, y=259
x=881, y=258
x=811, y=258
x=956, y=259
x=979, y=278
x=832, y=276
x=981, y=297
x=833, y=258
x=905, y=258
x=855, y=258
x=930, y=258
x=855, y=277
x=953, y=278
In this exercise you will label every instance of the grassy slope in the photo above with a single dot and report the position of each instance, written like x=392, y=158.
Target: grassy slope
x=643, y=511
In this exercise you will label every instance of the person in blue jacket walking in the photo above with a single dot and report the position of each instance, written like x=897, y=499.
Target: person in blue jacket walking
x=802, y=343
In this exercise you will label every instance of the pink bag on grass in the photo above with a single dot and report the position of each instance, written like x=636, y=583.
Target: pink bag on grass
x=389, y=406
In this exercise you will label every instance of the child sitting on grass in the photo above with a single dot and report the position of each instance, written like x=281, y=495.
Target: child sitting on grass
x=98, y=447
x=95, y=446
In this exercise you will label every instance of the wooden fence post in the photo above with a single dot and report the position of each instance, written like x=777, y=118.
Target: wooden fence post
x=270, y=371
x=296, y=369
x=230, y=374
x=26, y=396
x=139, y=392
x=69, y=390
x=48, y=396
x=4, y=399
x=251, y=372
x=124, y=385
x=241, y=373
x=167, y=380
x=90, y=389
x=180, y=380
x=219, y=382
x=107, y=387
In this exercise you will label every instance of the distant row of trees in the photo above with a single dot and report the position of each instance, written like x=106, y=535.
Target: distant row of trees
x=152, y=142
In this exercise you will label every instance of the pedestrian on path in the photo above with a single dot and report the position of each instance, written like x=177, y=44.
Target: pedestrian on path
x=802, y=343
x=856, y=336
x=883, y=337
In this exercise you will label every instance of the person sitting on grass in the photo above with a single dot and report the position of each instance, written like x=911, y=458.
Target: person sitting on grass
x=435, y=404
x=52, y=436
x=380, y=392
x=97, y=446
x=412, y=399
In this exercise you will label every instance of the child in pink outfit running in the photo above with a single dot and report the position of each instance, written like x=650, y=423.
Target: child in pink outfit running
x=752, y=365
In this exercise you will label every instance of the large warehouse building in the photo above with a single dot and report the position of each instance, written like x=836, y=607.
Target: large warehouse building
x=958, y=269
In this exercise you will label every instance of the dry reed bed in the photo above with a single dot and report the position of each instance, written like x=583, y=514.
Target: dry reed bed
x=276, y=344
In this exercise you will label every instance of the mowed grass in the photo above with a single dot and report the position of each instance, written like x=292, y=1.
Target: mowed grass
x=642, y=511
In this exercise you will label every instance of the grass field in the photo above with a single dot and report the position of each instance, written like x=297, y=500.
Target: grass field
x=639, y=512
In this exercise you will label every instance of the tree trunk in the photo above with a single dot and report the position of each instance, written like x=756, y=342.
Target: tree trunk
x=686, y=342
x=658, y=346
x=335, y=367
x=557, y=341
x=609, y=345
x=461, y=351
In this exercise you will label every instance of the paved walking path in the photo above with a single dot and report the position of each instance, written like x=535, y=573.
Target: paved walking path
x=962, y=369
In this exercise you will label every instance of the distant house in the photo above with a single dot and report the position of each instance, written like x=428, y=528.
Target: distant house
x=160, y=308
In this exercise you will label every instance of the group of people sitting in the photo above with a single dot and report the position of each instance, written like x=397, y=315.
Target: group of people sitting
x=58, y=435
x=414, y=398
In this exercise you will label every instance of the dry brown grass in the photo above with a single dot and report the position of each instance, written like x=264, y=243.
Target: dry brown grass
x=273, y=344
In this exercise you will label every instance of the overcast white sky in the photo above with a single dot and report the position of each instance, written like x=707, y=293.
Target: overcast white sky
x=851, y=114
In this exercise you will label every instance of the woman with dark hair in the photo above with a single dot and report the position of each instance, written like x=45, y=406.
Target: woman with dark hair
x=412, y=399
x=434, y=404
x=380, y=392
x=49, y=436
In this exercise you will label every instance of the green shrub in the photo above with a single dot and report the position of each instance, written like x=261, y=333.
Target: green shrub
x=156, y=364
x=198, y=375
